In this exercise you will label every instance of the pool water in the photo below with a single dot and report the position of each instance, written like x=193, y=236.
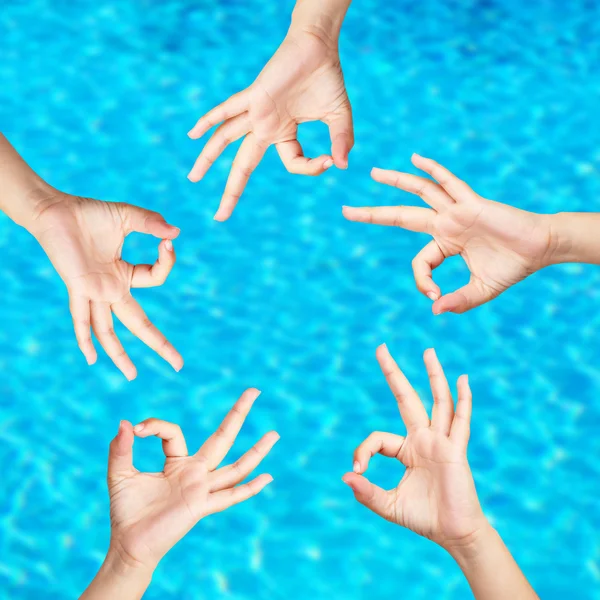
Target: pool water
x=289, y=297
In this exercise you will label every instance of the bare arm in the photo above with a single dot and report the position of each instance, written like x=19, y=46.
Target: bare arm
x=118, y=579
x=437, y=498
x=575, y=238
x=151, y=512
x=83, y=239
x=321, y=16
x=302, y=82
x=22, y=192
x=490, y=568
x=500, y=244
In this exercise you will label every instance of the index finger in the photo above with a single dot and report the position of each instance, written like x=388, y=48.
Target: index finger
x=156, y=274
x=411, y=408
x=411, y=218
x=246, y=160
x=130, y=313
x=173, y=442
x=214, y=450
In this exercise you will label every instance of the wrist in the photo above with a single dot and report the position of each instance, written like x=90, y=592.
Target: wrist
x=124, y=572
x=120, y=577
x=562, y=246
x=469, y=549
x=322, y=20
x=24, y=204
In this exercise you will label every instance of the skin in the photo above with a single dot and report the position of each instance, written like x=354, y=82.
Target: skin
x=83, y=239
x=436, y=497
x=501, y=245
x=151, y=512
x=302, y=82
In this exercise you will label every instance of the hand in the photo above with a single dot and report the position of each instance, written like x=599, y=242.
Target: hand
x=436, y=498
x=302, y=82
x=500, y=244
x=84, y=238
x=151, y=512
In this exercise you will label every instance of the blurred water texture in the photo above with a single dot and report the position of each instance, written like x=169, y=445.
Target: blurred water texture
x=289, y=297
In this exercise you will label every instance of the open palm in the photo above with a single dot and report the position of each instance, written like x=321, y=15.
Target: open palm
x=84, y=239
x=436, y=497
x=302, y=82
x=501, y=245
x=150, y=512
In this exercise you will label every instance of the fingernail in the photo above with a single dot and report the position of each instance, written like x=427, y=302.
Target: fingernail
x=433, y=296
x=175, y=229
x=121, y=423
x=139, y=427
x=328, y=163
x=356, y=468
x=270, y=478
x=219, y=216
x=347, y=483
x=169, y=245
x=437, y=311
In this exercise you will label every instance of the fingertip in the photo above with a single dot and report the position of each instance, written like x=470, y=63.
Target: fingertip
x=356, y=467
x=437, y=308
x=429, y=352
x=328, y=163
x=348, y=479
x=130, y=374
x=168, y=245
x=433, y=296
x=221, y=215
x=348, y=212
x=267, y=478
x=382, y=350
x=178, y=363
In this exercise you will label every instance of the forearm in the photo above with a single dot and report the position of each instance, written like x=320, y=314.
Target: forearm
x=117, y=579
x=323, y=18
x=22, y=192
x=575, y=237
x=490, y=568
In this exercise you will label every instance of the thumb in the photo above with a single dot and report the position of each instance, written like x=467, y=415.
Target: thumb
x=341, y=131
x=120, y=453
x=147, y=221
x=474, y=294
x=369, y=494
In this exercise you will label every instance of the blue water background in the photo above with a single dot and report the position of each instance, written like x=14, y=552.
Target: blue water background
x=289, y=297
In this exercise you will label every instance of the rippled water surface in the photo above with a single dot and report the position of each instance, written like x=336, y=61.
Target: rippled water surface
x=289, y=297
